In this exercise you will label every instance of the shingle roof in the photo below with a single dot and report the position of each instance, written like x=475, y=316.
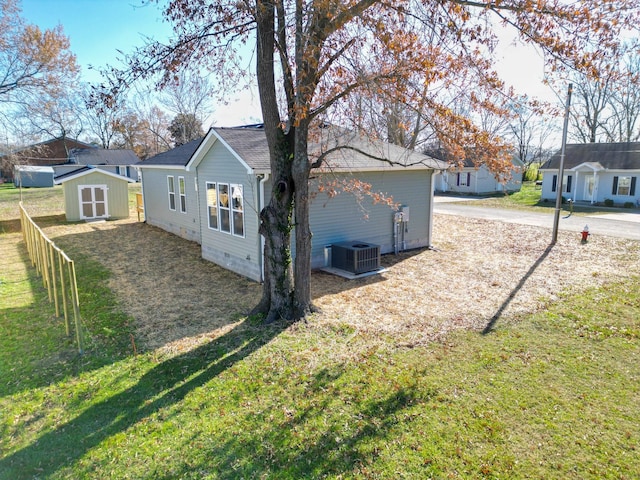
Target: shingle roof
x=176, y=156
x=355, y=152
x=612, y=156
x=101, y=156
x=250, y=143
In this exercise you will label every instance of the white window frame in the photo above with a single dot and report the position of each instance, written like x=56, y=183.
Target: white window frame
x=182, y=192
x=224, y=209
x=233, y=209
x=171, y=188
x=212, y=204
x=627, y=179
x=237, y=208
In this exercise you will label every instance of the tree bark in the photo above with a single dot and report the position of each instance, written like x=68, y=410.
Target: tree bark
x=275, y=218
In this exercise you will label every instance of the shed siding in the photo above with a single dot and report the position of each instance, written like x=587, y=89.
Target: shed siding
x=156, y=203
x=345, y=218
x=239, y=254
x=117, y=195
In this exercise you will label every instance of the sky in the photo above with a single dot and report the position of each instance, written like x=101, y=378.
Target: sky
x=97, y=29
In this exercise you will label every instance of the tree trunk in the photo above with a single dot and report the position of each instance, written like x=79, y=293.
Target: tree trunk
x=302, y=272
x=275, y=218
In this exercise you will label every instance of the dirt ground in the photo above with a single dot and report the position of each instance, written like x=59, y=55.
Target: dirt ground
x=481, y=273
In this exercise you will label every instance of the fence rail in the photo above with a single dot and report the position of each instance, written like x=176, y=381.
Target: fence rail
x=57, y=271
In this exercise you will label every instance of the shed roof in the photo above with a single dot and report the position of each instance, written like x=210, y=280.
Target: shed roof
x=610, y=156
x=34, y=169
x=102, y=156
x=82, y=171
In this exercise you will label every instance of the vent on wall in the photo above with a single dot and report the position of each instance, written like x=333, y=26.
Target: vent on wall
x=355, y=257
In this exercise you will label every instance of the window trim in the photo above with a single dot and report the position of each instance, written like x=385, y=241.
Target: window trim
x=182, y=193
x=171, y=188
x=222, y=210
x=235, y=210
x=631, y=186
x=215, y=205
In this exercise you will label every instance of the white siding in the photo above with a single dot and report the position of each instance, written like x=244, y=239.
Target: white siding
x=156, y=203
x=239, y=254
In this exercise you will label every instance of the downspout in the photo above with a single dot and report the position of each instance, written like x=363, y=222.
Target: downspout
x=261, y=205
x=430, y=210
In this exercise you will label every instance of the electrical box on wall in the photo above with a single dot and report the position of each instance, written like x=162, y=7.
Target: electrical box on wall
x=405, y=213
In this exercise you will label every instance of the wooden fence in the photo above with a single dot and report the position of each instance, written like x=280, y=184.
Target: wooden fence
x=57, y=271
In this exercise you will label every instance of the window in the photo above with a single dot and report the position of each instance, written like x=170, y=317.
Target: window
x=464, y=179
x=212, y=205
x=225, y=207
x=172, y=193
x=624, y=186
x=183, y=195
x=237, y=207
x=566, y=183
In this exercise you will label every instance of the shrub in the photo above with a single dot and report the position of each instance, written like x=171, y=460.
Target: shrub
x=628, y=205
x=608, y=202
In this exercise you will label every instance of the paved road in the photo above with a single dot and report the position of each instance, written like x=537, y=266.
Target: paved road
x=623, y=225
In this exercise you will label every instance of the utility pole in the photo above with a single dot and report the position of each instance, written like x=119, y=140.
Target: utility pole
x=560, y=182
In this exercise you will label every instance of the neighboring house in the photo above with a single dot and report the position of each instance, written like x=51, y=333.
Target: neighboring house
x=93, y=194
x=32, y=176
x=212, y=190
x=595, y=172
x=478, y=180
x=119, y=161
x=43, y=154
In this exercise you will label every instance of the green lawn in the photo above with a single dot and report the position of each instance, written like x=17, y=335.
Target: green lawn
x=552, y=395
x=529, y=198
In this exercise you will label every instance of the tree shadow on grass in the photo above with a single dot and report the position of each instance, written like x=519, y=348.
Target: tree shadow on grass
x=312, y=442
x=492, y=322
x=164, y=385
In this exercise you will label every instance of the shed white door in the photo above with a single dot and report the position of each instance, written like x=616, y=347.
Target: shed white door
x=93, y=201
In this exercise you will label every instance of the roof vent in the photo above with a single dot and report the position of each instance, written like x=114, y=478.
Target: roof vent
x=355, y=257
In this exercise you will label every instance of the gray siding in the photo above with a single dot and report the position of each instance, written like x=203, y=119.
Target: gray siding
x=156, y=203
x=239, y=254
x=346, y=218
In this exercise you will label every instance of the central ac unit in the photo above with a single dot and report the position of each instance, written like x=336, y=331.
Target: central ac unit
x=355, y=257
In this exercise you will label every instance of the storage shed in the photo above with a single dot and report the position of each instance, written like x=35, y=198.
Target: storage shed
x=32, y=176
x=93, y=194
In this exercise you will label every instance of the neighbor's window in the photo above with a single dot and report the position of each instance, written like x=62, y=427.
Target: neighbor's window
x=464, y=179
x=183, y=195
x=624, y=185
x=223, y=207
x=212, y=205
x=237, y=207
x=566, y=183
x=172, y=192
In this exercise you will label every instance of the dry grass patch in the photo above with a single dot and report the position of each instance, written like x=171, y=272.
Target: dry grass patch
x=481, y=272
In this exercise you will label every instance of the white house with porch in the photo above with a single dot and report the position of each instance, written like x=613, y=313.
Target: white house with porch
x=595, y=172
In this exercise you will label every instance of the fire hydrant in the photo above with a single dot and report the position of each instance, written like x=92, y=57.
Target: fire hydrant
x=585, y=233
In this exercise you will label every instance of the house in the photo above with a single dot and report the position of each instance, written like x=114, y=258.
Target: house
x=93, y=194
x=478, y=180
x=595, y=173
x=119, y=161
x=212, y=190
x=44, y=154
x=32, y=176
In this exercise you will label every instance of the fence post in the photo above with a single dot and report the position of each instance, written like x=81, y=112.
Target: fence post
x=76, y=307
